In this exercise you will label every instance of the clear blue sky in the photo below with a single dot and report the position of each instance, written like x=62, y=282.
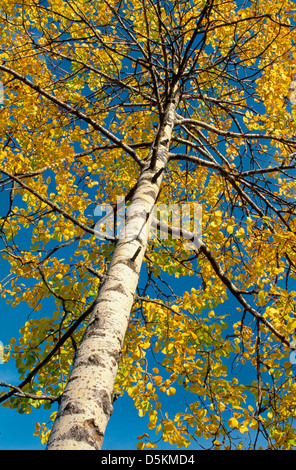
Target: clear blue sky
x=16, y=430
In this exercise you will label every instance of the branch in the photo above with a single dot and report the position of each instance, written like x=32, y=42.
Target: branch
x=229, y=176
x=194, y=159
x=222, y=276
x=74, y=112
x=270, y=169
x=76, y=156
x=49, y=203
x=237, y=294
x=116, y=81
x=236, y=135
x=157, y=302
x=19, y=393
x=52, y=353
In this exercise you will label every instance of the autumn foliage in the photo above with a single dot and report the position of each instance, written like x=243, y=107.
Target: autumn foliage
x=86, y=86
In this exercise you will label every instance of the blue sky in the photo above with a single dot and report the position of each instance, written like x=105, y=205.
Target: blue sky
x=16, y=430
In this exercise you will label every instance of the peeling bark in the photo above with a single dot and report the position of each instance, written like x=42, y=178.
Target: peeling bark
x=86, y=404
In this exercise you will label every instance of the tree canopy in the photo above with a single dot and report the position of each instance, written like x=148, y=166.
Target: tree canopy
x=188, y=104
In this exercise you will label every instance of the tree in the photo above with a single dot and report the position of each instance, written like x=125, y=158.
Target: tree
x=169, y=105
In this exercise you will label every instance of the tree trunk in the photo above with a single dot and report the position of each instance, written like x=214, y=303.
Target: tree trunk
x=86, y=404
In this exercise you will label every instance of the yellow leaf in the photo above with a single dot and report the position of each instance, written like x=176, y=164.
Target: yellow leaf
x=151, y=445
x=243, y=429
x=151, y=425
x=158, y=429
x=168, y=428
x=233, y=422
x=261, y=296
x=240, y=233
x=253, y=424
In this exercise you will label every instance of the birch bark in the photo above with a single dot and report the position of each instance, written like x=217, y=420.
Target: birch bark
x=86, y=404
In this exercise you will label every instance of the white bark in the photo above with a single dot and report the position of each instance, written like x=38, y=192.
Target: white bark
x=86, y=404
